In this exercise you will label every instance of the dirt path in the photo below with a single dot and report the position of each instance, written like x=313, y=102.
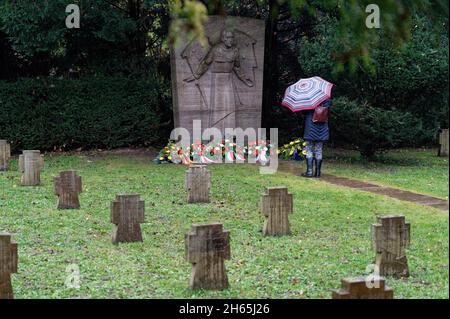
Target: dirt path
x=292, y=167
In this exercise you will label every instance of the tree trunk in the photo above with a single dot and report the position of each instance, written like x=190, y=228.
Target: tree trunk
x=136, y=11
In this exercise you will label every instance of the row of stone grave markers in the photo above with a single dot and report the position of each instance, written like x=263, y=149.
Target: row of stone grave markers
x=31, y=163
x=207, y=246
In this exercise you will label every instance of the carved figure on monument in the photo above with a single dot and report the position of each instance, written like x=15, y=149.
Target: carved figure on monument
x=234, y=54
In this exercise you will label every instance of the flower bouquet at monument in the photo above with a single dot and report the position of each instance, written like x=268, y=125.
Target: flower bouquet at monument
x=260, y=152
x=294, y=150
x=225, y=151
x=232, y=152
x=202, y=153
x=165, y=156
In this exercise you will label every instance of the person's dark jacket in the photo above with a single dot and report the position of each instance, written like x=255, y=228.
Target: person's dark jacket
x=316, y=132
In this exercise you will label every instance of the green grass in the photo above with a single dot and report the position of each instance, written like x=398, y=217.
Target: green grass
x=330, y=240
x=418, y=170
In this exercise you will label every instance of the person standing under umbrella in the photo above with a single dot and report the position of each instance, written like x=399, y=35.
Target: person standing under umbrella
x=315, y=134
x=313, y=97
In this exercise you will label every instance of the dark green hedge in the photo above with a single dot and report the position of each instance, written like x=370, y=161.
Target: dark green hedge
x=371, y=129
x=91, y=112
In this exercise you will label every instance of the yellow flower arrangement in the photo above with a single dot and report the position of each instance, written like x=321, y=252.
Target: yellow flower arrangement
x=294, y=149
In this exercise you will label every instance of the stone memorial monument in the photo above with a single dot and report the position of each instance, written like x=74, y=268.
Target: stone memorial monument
x=390, y=238
x=127, y=213
x=220, y=83
x=276, y=205
x=67, y=186
x=207, y=247
x=357, y=288
x=30, y=165
x=5, y=155
x=8, y=265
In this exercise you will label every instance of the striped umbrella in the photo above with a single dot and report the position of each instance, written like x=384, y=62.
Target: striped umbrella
x=306, y=94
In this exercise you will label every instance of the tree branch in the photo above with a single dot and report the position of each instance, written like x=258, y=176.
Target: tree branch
x=117, y=7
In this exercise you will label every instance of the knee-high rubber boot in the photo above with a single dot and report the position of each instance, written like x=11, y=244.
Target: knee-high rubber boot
x=309, y=168
x=318, y=168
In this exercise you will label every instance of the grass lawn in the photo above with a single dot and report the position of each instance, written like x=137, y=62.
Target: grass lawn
x=331, y=233
x=417, y=170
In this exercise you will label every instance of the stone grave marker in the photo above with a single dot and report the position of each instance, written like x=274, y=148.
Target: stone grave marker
x=30, y=165
x=127, y=213
x=358, y=288
x=67, y=186
x=198, y=184
x=276, y=205
x=5, y=155
x=8, y=265
x=390, y=238
x=207, y=248
x=443, y=142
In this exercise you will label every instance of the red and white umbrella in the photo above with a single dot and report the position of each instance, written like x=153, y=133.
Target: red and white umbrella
x=306, y=94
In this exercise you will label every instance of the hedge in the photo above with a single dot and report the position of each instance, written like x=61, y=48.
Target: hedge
x=90, y=112
x=371, y=129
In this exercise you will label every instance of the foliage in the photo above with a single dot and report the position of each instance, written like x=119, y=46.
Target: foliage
x=355, y=37
x=115, y=36
x=34, y=27
x=372, y=129
x=91, y=112
x=334, y=42
x=413, y=78
x=188, y=16
x=307, y=37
